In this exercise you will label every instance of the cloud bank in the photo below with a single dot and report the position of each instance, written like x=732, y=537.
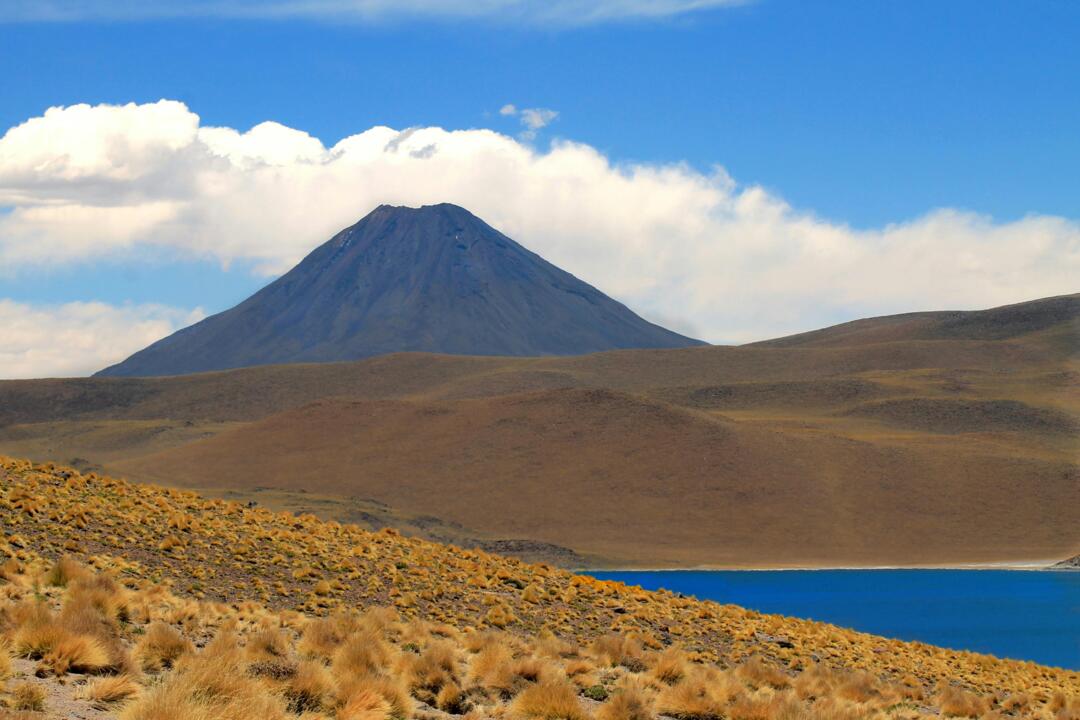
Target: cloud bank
x=79, y=338
x=548, y=12
x=696, y=251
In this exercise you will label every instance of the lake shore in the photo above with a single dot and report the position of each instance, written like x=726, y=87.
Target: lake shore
x=1029, y=565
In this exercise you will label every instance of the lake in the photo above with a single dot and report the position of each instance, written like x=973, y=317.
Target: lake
x=1027, y=615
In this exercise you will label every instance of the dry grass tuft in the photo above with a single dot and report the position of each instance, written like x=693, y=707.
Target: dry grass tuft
x=859, y=687
x=212, y=686
x=310, y=689
x=702, y=695
x=955, y=702
x=550, y=701
x=451, y=699
x=670, y=666
x=365, y=704
x=103, y=691
x=76, y=653
x=630, y=702
x=28, y=696
x=490, y=666
x=267, y=644
x=321, y=637
x=64, y=571
x=5, y=661
x=362, y=654
x=391, y=690
x=758, y=674
x=161, y=647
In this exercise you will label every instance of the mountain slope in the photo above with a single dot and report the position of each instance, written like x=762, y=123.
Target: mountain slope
x=433, y=279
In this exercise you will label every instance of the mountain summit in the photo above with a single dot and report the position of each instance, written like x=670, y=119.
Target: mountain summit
x=433, y=279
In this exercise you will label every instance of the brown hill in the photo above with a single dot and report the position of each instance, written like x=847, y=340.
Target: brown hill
x=639, y=481
x=1000, y=323
x=930, y=438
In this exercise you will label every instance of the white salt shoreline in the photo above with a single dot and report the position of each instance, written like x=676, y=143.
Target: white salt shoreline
x=1002, y=565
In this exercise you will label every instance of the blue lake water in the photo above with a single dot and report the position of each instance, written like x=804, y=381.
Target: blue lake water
x=1026, y=615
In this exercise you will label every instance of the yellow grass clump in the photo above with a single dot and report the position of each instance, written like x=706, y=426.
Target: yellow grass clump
x=28, y=696
x=104, y=691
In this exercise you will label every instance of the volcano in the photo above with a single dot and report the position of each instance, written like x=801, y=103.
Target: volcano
x=430, y=279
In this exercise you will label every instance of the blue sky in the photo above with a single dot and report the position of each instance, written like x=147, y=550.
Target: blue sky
x=867, y=112
x=862, y=114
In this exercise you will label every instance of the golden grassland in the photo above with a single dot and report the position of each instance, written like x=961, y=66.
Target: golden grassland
x=153, y=604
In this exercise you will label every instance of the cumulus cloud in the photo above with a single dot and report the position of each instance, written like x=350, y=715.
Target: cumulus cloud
x=79, y=338
x=551, y=12
x=698, y=250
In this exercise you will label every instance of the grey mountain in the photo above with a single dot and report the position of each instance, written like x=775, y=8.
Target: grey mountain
x=434, y=279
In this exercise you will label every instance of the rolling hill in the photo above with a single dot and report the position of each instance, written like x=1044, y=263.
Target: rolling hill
x=433, y=279
x=935, y=438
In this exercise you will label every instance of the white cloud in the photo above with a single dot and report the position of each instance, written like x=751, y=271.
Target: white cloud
x=536, y=118
x=695, y=249
x=549, y=12
x=79, y=338
x=532, y=119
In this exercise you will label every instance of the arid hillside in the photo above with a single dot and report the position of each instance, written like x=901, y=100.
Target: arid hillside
x=130, y=601
x=639, y=481
x=931, y=438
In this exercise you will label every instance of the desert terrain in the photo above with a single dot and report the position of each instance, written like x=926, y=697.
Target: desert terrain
x=921, y=439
